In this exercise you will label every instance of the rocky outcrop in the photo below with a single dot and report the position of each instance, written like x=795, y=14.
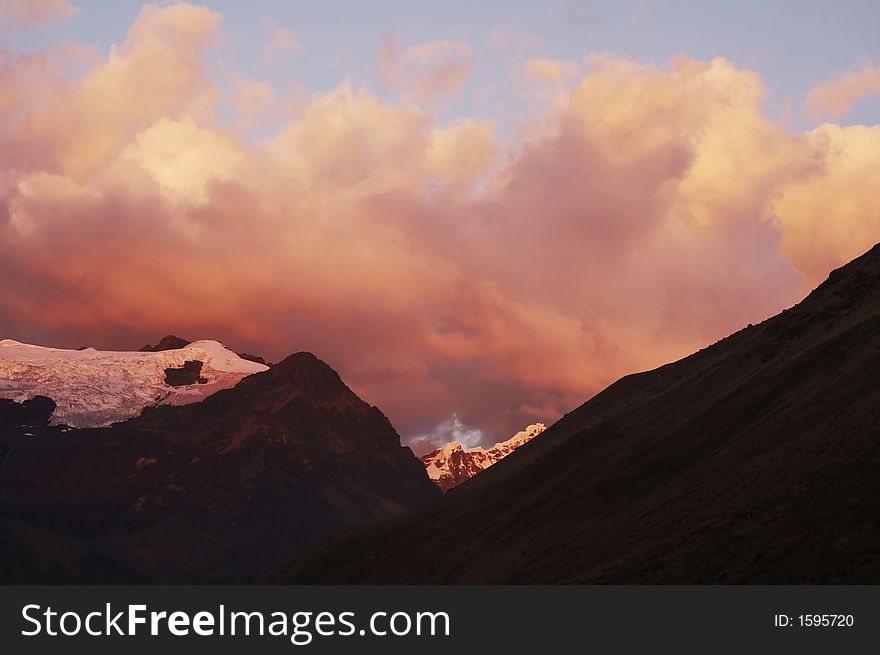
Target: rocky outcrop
x=32, y=413
x=168, y=342
x=185, y=375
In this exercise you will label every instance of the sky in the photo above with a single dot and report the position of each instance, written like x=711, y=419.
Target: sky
x=480, y=214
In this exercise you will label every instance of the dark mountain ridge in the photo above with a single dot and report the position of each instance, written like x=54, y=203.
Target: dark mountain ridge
x=172, y=342
x=168, y=342
x=755, y=460
x=217, y=491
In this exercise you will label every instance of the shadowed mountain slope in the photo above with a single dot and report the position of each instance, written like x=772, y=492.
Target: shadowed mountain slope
x=220, y=490
x=756, y=460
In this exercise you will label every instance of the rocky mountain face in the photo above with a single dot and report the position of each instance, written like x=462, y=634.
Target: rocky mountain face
x=217, y=491
x=755, y=460
x=451, y=464
x=33, y=413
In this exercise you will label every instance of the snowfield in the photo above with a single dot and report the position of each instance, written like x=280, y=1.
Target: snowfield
x=94, y=388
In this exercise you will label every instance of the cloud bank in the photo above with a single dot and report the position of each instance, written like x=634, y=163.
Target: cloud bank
x=452, y=277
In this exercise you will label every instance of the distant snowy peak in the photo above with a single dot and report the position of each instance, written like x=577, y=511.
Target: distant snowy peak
x=94, y=388
x=451, y=465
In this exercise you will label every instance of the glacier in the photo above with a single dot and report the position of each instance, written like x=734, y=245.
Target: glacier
x=96, y=388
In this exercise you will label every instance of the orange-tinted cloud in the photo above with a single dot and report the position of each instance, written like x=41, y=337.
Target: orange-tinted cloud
x=425, y=71
x=441, y=270
x=75, y=127
x=252, y=100
x=26, y=13
x=280, y=41
x=550, y=70
x=835, y=97
x=832, y=217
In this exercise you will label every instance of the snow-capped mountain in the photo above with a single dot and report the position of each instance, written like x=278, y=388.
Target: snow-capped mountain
x=451, y=465
x=93, y=388
x=223, y=490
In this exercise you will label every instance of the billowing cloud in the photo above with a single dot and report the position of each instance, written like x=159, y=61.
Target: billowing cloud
x=461, y=152
x=453, y=277
x=74, y=127
x=835, y=97
x=182, y=158
x=26, y=13
x=833, y=217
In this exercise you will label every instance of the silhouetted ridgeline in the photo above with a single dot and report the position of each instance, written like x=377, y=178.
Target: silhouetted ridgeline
x=756, y=460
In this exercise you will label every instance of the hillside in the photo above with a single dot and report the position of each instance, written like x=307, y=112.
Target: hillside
x=756, y=460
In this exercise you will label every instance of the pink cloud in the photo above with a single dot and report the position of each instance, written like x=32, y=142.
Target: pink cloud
x=836, y=97
x=425, y=71
x=549, y=70
x=26, y=13
x=75, y=127
x=252, y=100
x=443, y=272
x=280, y=42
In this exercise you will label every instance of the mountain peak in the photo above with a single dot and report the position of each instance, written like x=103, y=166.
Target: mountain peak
x=450, y=465
x=303, y=357
x=168, y=342
x=307, y=373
